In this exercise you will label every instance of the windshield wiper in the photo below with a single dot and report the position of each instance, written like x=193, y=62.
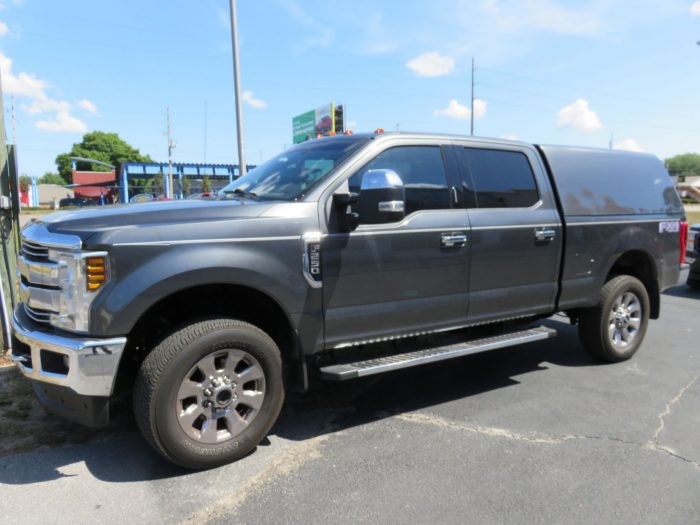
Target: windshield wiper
x=244, y=193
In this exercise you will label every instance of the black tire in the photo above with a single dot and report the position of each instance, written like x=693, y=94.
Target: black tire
x=595, y=324
x=168, y=369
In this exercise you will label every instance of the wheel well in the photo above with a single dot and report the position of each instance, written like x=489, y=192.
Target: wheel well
x=191, y=304
x=640, y=265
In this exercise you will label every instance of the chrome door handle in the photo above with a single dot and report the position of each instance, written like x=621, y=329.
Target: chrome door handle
x=545, y=235
x=450, y=240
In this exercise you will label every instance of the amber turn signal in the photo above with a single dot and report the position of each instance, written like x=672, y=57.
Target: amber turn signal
x=95, y=271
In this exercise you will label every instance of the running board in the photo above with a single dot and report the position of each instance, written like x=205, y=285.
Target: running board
x=388, y=363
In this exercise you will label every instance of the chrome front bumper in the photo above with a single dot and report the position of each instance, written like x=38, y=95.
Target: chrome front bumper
x=85, y=365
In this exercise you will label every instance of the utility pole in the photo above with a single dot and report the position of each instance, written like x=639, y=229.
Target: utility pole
x=237, y=90
x=471, y=112
x=171, y=144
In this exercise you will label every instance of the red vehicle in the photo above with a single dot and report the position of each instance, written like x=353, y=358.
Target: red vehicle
x=324, y=125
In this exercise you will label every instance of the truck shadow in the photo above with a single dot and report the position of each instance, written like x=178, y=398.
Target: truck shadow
x=121, y=455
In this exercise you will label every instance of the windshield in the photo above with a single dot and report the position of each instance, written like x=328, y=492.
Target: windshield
x=291, y=174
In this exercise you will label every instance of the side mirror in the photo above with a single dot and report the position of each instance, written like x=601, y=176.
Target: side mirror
x=347, y=220
x=382, y=197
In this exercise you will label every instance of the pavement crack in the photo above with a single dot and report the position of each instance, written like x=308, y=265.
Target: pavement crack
x=654, y=442
x=542, y=439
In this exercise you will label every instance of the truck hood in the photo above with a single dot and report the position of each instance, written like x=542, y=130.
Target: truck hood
x=122, y=216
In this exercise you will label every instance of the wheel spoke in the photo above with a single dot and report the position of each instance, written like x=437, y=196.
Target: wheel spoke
x=207, y=366
x=251, y=399
x=235, y=423
x=209, y=433
x=251, y=373
x=635, y=322
x=189, y=388
x=233, y=357
x=617, y=337
x=190, y=415
x=618, y=302
x=634, y=307
x=611, y=331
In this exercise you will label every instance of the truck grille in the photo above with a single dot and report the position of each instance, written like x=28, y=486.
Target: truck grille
x=37, y=314
x=34, y=251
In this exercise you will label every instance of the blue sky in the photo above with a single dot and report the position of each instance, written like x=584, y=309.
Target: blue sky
x=547, y=71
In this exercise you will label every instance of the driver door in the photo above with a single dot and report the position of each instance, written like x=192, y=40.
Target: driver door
x=402, y=276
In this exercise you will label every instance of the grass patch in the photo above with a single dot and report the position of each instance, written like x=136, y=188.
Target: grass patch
x=693, y=217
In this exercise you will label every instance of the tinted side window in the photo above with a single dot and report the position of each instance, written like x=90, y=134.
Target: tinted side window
x=422, y=171
x=502, y=179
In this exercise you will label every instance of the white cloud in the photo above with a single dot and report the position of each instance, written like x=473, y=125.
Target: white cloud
x=28, y=86
x=4, y=29
x=578, y=115
x=45, y=105
x=248, y=98
x=23, y=84
x=350, y=124
x=88, y=106
x=431, y=65
x=64, y=122
x=695, y=9
x=457, y=111
x=629, y=145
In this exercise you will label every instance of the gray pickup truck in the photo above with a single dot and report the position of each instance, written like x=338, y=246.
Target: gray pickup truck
x=340, y=258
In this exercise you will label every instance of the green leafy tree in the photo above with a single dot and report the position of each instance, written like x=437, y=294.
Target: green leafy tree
x=186, y=184
x=51, y=178
x=156, y=185
x=206, y=184
x=24, y=182
x=98, y=145
x=685, y=165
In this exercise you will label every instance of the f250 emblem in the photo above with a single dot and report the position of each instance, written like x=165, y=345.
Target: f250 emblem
x=311, y=258
x=669, y=227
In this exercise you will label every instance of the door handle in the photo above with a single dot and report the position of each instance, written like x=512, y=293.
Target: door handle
x=545, y=235
x=450, y=240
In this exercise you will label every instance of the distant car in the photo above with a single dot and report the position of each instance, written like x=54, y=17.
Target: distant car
x=324, y=125
x=203, y=195
x=71, y=202
x=142, y=197
x=694, y=251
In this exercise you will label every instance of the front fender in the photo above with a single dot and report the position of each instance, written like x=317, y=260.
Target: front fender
x=143, y=275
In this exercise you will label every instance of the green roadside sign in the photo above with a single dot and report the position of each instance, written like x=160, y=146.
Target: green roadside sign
x=303, y=126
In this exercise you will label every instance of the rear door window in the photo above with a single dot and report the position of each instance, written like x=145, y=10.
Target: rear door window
x=499, y=178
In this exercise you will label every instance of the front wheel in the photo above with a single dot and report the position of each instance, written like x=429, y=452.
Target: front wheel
x=209, y=392
x=614, y=329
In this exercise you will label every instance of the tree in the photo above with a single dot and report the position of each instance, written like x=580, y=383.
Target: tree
x=685, y=165
x=156, y=185
x=186, y=184
x=24, y=182
x=98, y=145
x=206, y=184
x=52, y=178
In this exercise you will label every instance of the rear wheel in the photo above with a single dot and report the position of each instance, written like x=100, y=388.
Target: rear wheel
x=209, y=393
x=615, y=328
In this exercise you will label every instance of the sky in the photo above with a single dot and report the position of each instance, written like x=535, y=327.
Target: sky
x=547, y=71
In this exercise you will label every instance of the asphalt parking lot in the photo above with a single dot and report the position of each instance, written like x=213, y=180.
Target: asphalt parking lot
x=534, y=434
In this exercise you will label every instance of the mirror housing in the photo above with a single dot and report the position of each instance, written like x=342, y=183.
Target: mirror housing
x=346, y=218
x=382, y=197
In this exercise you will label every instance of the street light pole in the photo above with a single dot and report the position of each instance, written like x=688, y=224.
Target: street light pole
x=237, y=90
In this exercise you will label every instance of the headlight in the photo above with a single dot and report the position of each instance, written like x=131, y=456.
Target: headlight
x=81, y=275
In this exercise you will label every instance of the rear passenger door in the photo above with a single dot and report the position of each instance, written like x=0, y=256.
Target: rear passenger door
x=516, y=234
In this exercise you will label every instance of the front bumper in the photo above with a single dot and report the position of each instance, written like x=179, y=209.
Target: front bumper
x=86, y=366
